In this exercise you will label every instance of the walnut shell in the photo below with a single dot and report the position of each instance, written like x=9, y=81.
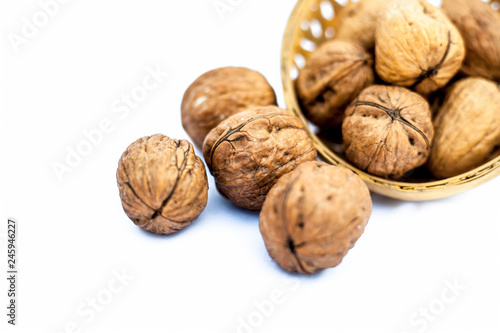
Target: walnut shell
x=313, y=216
x=357, y=21
x=388, y=131
x=163, y=184
x=479, y=25
x=467, y=128
x=332, y=77
x=248, y=152
x=220, y=93
x=417, y=46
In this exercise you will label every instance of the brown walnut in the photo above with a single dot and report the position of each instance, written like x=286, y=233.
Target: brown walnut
x=220, y=93
x=479, y=25
x=467, y=128
x=388, y=131
x=417, y=46
x=163, y=184
x=313, y=216
x=332, y=77
x=248, y=152
x=357, y=21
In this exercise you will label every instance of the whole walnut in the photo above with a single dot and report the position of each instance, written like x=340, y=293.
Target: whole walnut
x=332, y=77
x=313, y=216
x=467, y=128
x=163, y=184
x=248, y=152
x=417, y=46
x=220, y=93
x=357, y=21
x=388, y=131
x=479, y=25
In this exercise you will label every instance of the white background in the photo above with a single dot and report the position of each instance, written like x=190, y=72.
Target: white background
x=74, y=236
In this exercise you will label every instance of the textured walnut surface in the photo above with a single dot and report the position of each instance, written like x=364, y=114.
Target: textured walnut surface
x=417, y=46
x=248, y=152
x=220, y=93
x=332, y=77
x=313, y=216
x=388, y=131
x=163, y=184
x=467, y=128
x=358, y=21
x=479, y=25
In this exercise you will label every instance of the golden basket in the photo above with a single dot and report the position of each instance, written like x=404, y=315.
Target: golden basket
x=309, y=25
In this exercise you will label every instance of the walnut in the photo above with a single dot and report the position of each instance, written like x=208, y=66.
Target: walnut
x=467, y=128
x=436, y=99
x=479, y=25
x=332, y=77
x=417, y=46
x=248, y=152
x=163, y=184
x=313, y=216
x=357, y=21
x=388, y=131
x=220, y=93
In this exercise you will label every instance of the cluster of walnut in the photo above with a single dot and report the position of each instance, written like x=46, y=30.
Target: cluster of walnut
x=261, y=157
x=389, y=58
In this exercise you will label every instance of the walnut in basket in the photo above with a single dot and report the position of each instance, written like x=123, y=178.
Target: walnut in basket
x=357, y=21
x=417, y=46
x=467, y=128
x=248, y=152
x=388, y=131
x=313, y=216
x=220, y=93
x=163, y=184
x=332, y=77
x=479, y=25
